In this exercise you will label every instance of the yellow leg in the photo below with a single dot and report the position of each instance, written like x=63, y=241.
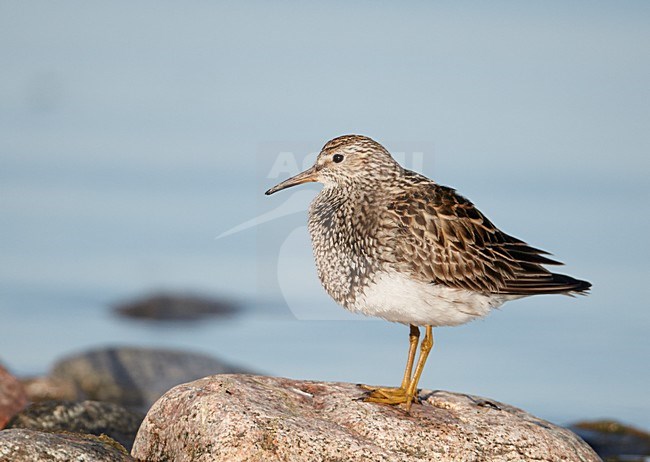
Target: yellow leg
x=425, y=348
x=414, y=336
x=397, y=395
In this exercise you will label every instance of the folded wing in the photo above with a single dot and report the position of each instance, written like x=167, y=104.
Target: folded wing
x=450, y=242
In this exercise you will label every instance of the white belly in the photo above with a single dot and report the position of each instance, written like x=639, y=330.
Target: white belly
x=395, y=297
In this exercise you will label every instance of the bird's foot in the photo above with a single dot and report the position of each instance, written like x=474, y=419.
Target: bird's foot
x=383, y=392
x=390, y=395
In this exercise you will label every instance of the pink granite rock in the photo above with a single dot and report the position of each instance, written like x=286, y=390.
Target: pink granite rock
x=12, y=396
x=256, y=418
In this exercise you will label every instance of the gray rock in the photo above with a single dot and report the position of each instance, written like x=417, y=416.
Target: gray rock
x=12, y=396
x=20, y=445
x=168, y=307
x=90, y=417
x=134, y=377
x=254, y=418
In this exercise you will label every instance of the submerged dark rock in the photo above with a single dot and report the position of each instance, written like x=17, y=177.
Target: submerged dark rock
x=613, y=440
x=134, y=377
x=90, y=417
x=168, y=307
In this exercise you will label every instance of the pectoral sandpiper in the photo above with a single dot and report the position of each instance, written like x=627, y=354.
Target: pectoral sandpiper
x=391, y=243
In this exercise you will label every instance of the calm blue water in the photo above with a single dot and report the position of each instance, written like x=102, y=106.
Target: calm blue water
x=132, y=136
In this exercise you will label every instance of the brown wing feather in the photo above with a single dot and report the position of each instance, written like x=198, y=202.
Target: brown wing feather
x=450, y=242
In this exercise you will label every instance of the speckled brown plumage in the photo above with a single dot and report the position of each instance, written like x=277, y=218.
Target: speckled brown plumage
x=373, y=215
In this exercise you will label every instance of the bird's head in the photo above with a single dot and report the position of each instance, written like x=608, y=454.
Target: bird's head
x=349, y=159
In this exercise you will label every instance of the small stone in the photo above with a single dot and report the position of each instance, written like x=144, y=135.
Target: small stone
x=134, y=377
x=255, y=418
x=12, y=396
x=168, y=307
x=48, y=389
x=21, y=445
x=90, y=417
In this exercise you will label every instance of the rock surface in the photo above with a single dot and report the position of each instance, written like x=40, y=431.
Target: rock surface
x=134, y=377
x=90, y=417
x=255, y=418
x=612, y=439
x=12, y=396
x=168, y=307
x=20, y=445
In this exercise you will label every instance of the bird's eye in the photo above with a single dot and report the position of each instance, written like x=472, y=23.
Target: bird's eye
x=337, y=158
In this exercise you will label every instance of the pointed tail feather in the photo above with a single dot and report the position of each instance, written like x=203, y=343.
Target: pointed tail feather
x=550, y=283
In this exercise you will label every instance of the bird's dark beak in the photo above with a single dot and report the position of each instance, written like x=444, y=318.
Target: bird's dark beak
x=307, y=176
